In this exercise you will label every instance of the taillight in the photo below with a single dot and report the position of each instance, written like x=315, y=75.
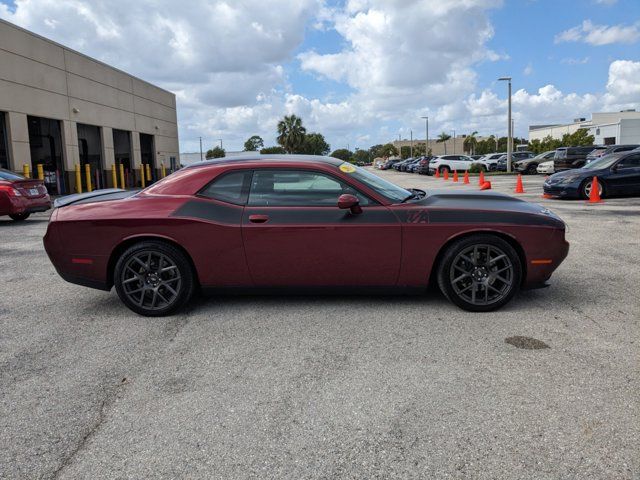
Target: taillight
x=9, y=190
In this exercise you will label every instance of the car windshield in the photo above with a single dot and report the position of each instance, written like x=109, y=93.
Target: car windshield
x=7, y=175
x=384, y=188
x=603, y=162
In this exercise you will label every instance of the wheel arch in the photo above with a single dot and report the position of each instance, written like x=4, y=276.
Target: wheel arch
x=120, y=248
x=510, y=239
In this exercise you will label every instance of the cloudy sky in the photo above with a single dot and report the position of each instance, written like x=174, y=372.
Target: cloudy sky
x=359, y=71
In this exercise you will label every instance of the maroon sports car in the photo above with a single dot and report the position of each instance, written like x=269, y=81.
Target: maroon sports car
x=303, y=222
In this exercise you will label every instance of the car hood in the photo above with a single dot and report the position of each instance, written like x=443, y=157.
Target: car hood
x=461, y=206
x=578, y=173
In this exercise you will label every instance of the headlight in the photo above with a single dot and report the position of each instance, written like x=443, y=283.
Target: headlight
x=567, y=180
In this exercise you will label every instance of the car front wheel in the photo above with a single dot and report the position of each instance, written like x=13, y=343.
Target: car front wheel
x=19, y=217
x=480, y=273
x=532, y=169
x=154, y=278
x=585, y=189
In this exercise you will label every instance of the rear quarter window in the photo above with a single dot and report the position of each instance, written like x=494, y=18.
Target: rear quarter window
x=232, y=187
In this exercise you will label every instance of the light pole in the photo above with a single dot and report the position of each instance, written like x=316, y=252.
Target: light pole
x=509, y=129
x=411, y=149
x=426, y=137
x=454, y=141
x=200, y=148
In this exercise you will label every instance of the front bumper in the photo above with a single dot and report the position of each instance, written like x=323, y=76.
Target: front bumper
x=560, y=190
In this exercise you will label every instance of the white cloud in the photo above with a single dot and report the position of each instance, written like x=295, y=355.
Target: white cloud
x=575, y=61
x=606, y=2
x=599, y=35
x=528, y=70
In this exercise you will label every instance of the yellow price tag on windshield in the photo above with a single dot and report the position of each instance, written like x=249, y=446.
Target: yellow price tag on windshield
x=347, y=168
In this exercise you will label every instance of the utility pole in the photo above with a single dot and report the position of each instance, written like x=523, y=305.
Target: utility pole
x=220, y=140
x=454, y=141
x=426, y=137
x=201, y=149
x=509, y=127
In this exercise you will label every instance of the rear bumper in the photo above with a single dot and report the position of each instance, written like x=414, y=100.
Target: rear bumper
x=19, y=205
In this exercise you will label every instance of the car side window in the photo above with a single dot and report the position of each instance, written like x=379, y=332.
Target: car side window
x=632, y=161
x=299, y=188
x=229, y=187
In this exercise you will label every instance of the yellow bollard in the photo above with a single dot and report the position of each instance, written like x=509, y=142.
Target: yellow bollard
x=40, y=172
x=87, y=172
x=142, y=176
x=148, y=173
x=25, y=170
x=122, y=177
x=78, y=179
x=163, y=170
x=114, y=176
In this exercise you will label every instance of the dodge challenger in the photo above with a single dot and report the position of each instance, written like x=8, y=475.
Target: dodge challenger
x=316, y=224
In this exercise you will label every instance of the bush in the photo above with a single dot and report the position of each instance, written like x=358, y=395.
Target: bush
x=476, y=168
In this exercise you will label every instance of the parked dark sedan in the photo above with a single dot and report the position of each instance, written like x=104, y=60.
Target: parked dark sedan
x=390, y=163
x=618, y=174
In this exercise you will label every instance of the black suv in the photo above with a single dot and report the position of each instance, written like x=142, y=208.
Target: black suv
x=567, y=158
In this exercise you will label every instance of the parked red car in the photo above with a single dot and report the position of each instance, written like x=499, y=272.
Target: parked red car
x=303, y=222
x=20, y=196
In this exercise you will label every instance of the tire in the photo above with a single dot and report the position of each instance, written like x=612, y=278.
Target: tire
x=585, y=188
x=474, y=284
x=532, y=169
x=443, y=169
x=19, y=217
x=154, y=278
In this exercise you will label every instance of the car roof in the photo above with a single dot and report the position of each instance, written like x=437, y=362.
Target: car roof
x=275, y=157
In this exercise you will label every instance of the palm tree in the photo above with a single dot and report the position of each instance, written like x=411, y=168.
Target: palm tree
x=470, y=143
x=443, y=137
x=291, y=133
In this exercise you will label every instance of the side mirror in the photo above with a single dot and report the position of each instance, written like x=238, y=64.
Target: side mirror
x=351, y=202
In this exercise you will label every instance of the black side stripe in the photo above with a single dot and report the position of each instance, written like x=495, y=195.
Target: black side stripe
x=322, y=216
x=471, y=216
x=213, y=212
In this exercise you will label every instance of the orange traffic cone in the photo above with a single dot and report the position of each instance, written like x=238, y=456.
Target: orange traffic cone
x=481, y=179
x=594, y=196
x=437, y=174
x=466, y=177
x=519, y=187
x=546, y=195
x=446, y=174
x=486, y=185
x=455, y=176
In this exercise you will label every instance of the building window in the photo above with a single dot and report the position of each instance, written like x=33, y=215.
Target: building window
x=4, y=145
x=45, y=142
x=90, y=149
x=122, y=152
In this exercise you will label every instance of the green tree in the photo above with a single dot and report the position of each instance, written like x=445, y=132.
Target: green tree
x=291, y=133
x=273, y=151
x=470, y=143
x=253, y=144
x=314, y=144
x=405, y=152
x=361, y=156
x=216, y=152
x=388, y=150
x=579, y=138
x=342, y=154
x=442, y=138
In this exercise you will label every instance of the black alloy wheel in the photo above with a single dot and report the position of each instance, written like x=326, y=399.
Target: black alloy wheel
x=480, y=273
x=19, y=217
x=532, y=169
x=154, y=278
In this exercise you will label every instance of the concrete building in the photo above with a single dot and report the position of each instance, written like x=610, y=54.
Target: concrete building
x=60, y=108
x=608, y=128
x=453, y=145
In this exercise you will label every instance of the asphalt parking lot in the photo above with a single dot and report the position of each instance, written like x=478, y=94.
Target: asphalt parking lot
x=328, y=387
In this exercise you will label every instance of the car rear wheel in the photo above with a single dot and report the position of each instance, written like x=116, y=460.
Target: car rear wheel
x=154, y=278
x=19, y=217
x=444, y=169
x=480, y=273
x=585, y=189
x=532, y=169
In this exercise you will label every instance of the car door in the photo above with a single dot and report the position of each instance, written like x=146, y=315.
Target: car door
x=625, y=177
x=295, y=234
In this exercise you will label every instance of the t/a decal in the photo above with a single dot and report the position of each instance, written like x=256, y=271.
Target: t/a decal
x=417, y=216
